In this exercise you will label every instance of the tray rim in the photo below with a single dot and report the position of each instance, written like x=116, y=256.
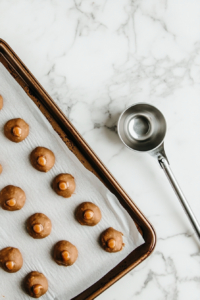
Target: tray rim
x=147, y=228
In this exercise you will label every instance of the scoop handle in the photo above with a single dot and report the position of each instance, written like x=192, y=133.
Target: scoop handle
x=165, y=166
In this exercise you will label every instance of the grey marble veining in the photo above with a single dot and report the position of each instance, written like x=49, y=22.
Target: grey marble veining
x=97, y=57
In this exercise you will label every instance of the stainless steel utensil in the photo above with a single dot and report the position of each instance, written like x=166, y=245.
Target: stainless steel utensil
x=142, y=127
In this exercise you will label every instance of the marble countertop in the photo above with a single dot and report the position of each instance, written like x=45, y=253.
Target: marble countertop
x=95, y=58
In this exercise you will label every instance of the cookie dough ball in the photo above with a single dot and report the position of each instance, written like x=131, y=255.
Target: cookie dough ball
x=16, y=130
x=64, y=253
x=42, y=159
x=64, y=185
x=88, y=213
x=12, y=198
x=35, y=284
x=11, y=259
x=39, y=226
x=1, y=102
x=1, y=169
x=111, y=240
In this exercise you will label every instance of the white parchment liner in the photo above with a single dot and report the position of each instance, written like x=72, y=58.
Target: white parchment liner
x=93, y=262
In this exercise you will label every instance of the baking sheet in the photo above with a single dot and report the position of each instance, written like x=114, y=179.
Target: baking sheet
x=93, y=262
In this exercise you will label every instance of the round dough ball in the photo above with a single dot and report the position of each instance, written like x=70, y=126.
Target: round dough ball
x=1, y=102
x=111, y=240
x=64, y=253
x=1, y=169
x=11, y=259
x=64, y=185
x=35, y=284
x=12, y=198
x=39, y=226
x=88, y=213
x=42, y=159
x=16, y=130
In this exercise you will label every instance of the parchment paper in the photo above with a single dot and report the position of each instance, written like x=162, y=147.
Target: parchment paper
x=93, y=262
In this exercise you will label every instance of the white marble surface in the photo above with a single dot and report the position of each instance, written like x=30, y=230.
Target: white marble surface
x=97, y=57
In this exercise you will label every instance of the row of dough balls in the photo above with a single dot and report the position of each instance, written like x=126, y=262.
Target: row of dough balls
x=38, y=225
x=64, y=254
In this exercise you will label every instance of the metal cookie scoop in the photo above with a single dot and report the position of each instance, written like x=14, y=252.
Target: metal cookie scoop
x=142, y=127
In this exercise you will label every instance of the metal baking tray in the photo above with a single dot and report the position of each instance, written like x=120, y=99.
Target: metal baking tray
x=88, y=158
